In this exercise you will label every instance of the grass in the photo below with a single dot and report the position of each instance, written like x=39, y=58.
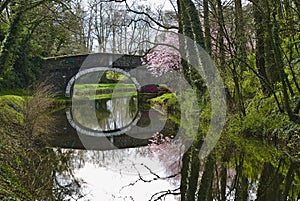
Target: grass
x=104, y=91
x=89, y=87
x=17, y=92
x=11, y=107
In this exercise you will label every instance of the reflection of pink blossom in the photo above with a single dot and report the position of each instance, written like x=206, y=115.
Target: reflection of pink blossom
x=169, y=152
x=164, y=57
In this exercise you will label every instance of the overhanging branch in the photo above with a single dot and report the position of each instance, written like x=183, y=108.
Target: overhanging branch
x=149, y=16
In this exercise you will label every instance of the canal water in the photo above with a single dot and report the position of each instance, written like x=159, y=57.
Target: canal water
x=241, y=169
x=125, y=148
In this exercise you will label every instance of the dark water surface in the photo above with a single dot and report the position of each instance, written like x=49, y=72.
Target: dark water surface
x=114, y=151
x=131, y=167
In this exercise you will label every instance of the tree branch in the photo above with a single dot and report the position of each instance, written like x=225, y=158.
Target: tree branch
x=156, y=177
x=3, y=5
x=164, y=194
x=149, y=16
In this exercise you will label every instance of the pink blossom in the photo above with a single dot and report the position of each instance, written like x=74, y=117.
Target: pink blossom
x=169, y=152
x=164, y=57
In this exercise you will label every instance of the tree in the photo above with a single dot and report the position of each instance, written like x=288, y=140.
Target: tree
x=36, y=29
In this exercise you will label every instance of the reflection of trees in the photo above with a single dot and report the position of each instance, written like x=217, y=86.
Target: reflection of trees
x=66, y=185
x=206, y=184
x=122, y=114
x=106, y=114
x=269, y=184
x=109, y=113
x=111, y=158
x=102, y=113
x=235, y=172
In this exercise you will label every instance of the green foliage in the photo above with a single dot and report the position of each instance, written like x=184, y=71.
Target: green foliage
x=104, y=91
x=115, y=76
x=262, y=118
x=184, y=114
x=250, y=82
x=11, y=45
x=29, y=31
x=16, y=92
x=261, y=121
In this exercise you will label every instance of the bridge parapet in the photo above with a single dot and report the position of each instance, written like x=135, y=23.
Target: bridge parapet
x=57, y=71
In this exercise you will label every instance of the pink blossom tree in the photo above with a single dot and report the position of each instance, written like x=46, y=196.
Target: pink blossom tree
x=164, y=57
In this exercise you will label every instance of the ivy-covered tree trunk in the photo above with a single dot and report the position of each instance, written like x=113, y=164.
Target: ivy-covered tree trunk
x=190, y=26
x=220, y=36
x=205, y=189
x=272, y=71
x=207, y=30
x=241, y=54
x=239, y=62
x=260, y=49
x=11, y=45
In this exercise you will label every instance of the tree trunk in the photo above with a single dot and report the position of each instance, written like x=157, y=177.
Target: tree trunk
x=260, y=50
x=289, y=180
x=207, y=179
x=220, y=36
x=11, y=47
x=240, y=36
x=207, y=30
x=269, y=184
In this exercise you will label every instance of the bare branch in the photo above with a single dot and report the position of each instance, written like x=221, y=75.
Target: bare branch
x=156, y=176
x=163, y=194
x=3, y=5
x=150, y=17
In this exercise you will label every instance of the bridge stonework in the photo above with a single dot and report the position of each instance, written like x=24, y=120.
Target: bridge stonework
x=57, y=71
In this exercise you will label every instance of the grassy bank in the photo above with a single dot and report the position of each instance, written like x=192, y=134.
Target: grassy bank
x=263, y=122
x=28, y=170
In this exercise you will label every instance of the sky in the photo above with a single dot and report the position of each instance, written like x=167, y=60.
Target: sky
x=105, y=183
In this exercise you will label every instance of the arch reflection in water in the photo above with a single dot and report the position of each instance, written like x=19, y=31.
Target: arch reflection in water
x=106, y=107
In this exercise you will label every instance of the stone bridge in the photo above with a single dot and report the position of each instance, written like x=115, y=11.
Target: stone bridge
x=57, y=71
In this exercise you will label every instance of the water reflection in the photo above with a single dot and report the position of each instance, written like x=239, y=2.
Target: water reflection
x=104, y=101
x=255, y=171
x=123, y=174
x=237, y=169
x=106, y=114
